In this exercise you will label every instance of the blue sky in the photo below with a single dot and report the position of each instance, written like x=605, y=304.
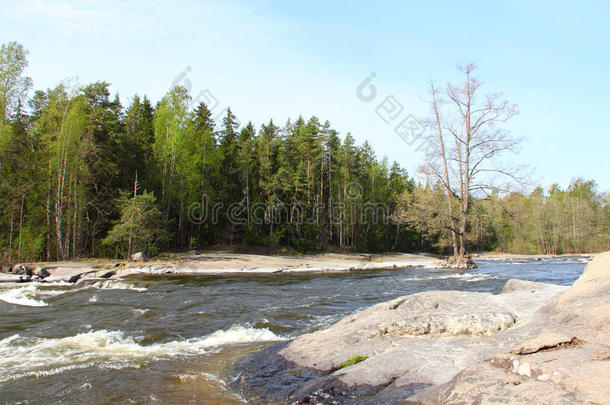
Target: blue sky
x=279, y=59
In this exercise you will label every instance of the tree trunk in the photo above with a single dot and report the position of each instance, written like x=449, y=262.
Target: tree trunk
x=10, y=236
x=20, y=226
x=448, y=190
x=396, y=237
x=48, y=217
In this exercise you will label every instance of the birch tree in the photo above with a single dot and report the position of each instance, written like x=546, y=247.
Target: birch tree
x=13, y=83
x=171, y=120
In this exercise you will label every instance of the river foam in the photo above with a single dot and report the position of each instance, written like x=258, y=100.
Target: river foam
x=32, y=295
x=117, y=285
x=25, y=296
x=459, y=276
x=33, y=356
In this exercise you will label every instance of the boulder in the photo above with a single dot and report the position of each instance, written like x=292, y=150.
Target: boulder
x=139, y=257
x=30, y=270
x=18, y=269
x=86, y=282
x=108, y=274
x=75, y=278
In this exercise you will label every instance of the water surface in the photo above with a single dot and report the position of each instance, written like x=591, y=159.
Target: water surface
x=172, y=339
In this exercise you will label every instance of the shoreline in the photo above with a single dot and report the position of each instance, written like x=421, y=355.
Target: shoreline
x=532, y=343
x=228, y=263
x=220, y=263
x=519, y=256
x=407, y=347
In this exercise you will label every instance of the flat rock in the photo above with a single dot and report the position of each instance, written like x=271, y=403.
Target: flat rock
x=9, y=278
x=533, y=343
x=568, y=356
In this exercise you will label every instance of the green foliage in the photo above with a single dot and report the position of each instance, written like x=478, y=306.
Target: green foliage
x=352, y=361
x=136, y=145
x=69, y=163
x=140, y=228
x=557, y=222
x=13, y=84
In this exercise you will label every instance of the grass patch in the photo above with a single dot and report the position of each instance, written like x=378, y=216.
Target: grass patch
x=352, y=361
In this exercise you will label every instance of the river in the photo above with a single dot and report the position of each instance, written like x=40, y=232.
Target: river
x=174, y=339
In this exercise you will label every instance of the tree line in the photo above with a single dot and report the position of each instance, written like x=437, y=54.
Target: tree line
x=553, y=221
x=83, y=175
x=469, y=201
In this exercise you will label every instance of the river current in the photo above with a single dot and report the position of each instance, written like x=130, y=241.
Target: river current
x=170, y=339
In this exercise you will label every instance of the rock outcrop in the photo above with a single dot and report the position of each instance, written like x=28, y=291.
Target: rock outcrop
x=29, y=272
x=565, y=360
x=195, y=263
x=533, y=343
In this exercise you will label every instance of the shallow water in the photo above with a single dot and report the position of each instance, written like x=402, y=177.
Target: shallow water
x=172, y=339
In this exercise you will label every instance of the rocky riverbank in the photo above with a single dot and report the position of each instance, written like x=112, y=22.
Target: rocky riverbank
x=533, y=343
x=522, y=258
x=213, y=263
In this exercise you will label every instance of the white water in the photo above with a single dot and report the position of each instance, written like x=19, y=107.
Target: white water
x=461, y=276
x=25, y=296
x=117, y=332
x=32, y=295
x=33, y=356
x=117, y=285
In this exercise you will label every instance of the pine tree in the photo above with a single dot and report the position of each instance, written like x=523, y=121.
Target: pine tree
x=140, y=228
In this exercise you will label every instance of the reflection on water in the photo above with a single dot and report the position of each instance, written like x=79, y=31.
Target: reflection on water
x=172, y=339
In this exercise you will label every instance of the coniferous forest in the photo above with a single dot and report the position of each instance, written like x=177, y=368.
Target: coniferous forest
x=84, y=175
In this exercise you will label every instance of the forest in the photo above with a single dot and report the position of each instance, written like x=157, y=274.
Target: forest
x=82, y=175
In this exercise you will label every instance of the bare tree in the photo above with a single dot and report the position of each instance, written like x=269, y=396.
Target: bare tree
x=466, y=140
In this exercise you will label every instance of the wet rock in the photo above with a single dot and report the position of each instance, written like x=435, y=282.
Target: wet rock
x=267, y=376
x=43, y=273
x=86, y=282
x=107, y=274
x=75, y=278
